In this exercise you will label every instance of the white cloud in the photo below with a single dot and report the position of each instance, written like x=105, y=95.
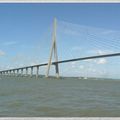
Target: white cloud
x=101, y=61
x=99, y=52
x=73, y=64
x=2, y=53
x=91, y=69
x=8, y=67
x=97, y=61
x=81, y=67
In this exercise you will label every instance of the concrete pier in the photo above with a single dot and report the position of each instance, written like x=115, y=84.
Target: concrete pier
x=17, y=72
x=13, y=72
x=31, y=72
x=21, y=71
x=10, y=72
x=37, y=72
x=6, y=72
x=26, y=71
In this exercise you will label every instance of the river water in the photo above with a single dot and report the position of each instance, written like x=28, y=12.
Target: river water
x=68, y=97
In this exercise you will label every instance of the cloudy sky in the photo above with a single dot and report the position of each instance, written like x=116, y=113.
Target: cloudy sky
x=82, y=30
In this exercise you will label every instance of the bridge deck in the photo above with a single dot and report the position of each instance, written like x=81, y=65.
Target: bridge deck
x=65, y=61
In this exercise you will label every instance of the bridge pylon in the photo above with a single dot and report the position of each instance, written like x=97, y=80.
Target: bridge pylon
x=53, y=51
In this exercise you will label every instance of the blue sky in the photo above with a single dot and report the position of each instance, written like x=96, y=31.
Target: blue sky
x=25, y=32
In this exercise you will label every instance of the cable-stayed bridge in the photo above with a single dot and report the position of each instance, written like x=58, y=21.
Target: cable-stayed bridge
x=56, y=63
x=10, y=71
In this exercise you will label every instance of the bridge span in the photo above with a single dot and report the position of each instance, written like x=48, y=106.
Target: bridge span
x=17, y=71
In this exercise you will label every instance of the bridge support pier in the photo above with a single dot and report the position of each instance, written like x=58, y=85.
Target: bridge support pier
x=6, y=72
x=17, y=72
x=10, y=72
x=31, y=72
x=57, y=70
x=26, y=71
x=21, y=72
x=37, y=72
x=13, y=72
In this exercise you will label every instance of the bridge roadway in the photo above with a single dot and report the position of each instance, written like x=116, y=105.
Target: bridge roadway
x=12, y=71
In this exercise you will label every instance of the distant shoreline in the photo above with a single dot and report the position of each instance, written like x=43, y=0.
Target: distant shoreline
x=64, y=77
